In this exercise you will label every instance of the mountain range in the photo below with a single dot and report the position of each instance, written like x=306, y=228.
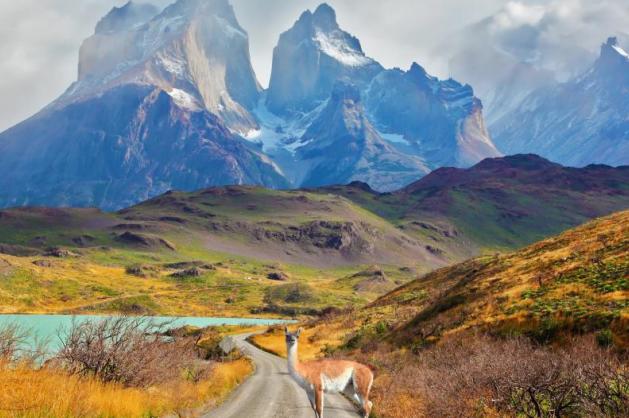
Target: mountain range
x=169, y=100
x=579, y=122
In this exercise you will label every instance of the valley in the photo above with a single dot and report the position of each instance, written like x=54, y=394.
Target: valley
x=241, y=250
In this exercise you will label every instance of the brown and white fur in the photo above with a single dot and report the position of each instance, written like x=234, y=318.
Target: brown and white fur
x=328, y=376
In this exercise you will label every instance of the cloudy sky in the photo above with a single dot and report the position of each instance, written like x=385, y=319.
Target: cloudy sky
x=39, y=39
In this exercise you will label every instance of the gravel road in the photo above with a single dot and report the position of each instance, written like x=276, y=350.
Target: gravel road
x=271, y=393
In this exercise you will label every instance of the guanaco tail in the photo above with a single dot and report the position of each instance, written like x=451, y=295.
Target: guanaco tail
x=328, y=376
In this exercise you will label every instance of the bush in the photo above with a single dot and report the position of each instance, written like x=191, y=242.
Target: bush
x=518, y=378
x=605, y=338
x=16, y=344
x=131, y=351
x=477, y=376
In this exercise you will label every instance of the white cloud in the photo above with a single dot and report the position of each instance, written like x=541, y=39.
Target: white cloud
x=517, y=14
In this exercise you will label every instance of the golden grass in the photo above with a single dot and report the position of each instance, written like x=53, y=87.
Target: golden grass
x=29, y=393
x=88, y=285
x=311, y=343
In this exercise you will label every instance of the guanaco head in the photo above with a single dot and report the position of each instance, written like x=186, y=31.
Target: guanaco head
x=291, y=338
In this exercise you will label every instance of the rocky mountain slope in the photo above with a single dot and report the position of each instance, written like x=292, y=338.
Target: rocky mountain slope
x=449, y=215
x=576, y=123
x=154, y=109
x=438, y=120
x=341, y=145
x=243, y=249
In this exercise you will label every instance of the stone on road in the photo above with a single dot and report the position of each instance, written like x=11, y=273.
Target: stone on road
x=271, y=393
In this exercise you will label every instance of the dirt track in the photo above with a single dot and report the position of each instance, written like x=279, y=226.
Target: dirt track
x=271, y=393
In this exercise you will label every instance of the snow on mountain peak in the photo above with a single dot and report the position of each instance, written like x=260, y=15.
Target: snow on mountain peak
x=336, y=47
x=612, y=47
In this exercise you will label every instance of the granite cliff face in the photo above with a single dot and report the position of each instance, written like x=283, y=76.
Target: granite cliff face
x=310, y=57
x=341, y=145
x=194, y=49
x=580, y=122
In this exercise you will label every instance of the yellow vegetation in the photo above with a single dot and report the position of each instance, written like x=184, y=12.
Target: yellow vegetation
x=518, y=292
x=29, y=393
x=312, y=342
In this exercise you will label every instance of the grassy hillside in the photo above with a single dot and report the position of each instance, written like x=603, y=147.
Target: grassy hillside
x=205, y=253
x=574, y=283
x=577, y=282
x=501, y=203
x=248, y=250
x=478, y=338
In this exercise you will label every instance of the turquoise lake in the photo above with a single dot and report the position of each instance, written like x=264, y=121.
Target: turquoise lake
x=47, y=327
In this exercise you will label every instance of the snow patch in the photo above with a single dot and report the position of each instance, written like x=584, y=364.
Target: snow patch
x=620, y=51
x=184, y=100
x=173, y=65
x=276, y=132
x=395, y=138
x=338, y=49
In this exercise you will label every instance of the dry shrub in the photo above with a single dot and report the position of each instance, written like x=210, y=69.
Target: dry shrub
x=480, y=376
x=126, y=350
x=16, y=345
x=520, y=378
x=12, y=339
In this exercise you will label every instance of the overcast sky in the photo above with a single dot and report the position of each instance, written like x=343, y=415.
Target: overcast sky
x=39, y=39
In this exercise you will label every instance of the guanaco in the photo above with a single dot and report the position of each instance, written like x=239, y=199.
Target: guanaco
x=328, y=376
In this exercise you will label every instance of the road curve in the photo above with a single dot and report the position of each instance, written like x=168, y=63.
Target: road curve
x=271, y=393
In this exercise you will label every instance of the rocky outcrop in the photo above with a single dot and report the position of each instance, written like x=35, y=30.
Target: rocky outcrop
x=342, y=146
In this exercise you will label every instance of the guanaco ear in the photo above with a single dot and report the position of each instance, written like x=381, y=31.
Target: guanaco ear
x=299, y=331
x=286, y=330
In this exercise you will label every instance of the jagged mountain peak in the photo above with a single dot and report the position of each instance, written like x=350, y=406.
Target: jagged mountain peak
x=126, y=17
x=578, y=122
x=196, y=8
x=194, y=49
x=325, y=17
x=310, y=57
x=417, y=69
x=322, y=30
x=612, y=55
